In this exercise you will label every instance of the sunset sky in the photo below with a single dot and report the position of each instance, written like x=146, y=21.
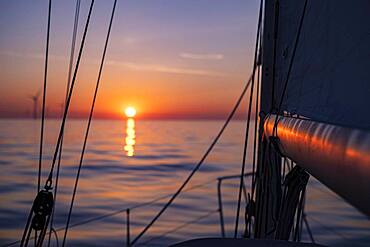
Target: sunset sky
x=167, y=58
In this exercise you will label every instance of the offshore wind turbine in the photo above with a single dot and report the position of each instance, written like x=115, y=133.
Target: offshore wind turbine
x=35, y=99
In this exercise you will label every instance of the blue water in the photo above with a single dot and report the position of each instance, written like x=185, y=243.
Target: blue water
x=127, y=166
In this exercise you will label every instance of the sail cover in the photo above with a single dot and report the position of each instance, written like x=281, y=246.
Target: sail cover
x=330, y=77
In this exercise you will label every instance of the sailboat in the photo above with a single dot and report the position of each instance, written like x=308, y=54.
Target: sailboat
x=311, y=73
x=315, y=92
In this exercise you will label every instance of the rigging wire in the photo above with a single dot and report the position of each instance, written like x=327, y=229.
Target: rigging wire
x=196, y=220
x=308, y=228
x=290, y=66
x=43, y=103
x=331, y=229
x=199, y=164
x=256, y=132
x=89, y=122
x=248, y=122
x=291, y=63
x=48, y=183
x=56, y=236
x=44, y=97
x=275, y=35
x=61, y=131
x=299, y=31
x=257, y=114
x=244, y=159
x=134, y=207
x=74, y=36
x=300, y=211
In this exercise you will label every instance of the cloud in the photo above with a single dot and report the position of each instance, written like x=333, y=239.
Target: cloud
x=128, y=65
x=206, y=56
x=129, y=40
x=164, y=69
x=32, y=55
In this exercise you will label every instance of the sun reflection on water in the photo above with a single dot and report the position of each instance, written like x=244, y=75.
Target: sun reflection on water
x=130, y=137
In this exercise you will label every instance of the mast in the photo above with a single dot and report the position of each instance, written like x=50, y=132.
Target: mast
x=323, y=81
x=268, y=188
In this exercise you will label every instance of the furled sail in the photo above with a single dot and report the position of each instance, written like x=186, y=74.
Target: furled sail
x=330, y=77
x=315, y=64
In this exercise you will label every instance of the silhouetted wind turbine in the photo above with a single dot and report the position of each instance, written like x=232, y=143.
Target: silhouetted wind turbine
x=35, y=99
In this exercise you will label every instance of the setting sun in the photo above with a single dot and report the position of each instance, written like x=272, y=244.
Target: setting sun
x=130, y=111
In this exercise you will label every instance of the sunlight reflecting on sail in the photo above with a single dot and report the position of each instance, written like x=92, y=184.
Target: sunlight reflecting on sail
x=130, y=137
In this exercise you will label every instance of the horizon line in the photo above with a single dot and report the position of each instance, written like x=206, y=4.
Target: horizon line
x=159, y=118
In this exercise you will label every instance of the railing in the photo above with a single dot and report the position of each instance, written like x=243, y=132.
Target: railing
x=219, y=196
x=219, y=210
x=128, y=212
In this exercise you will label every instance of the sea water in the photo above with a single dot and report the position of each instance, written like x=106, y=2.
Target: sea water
x=138, y=164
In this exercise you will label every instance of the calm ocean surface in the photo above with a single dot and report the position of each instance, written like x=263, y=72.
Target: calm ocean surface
x=131, y=163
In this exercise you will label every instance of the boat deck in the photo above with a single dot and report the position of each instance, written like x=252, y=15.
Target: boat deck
x=231, y=242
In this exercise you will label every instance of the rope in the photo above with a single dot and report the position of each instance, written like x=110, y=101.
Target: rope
x=44, y=97
x=56, y=236
x=48, y=182
x=244, y=159
x=299, y=31
x=308, y=228
x=290, y=66
x=181, y=226
x=25, y=236
x=89, y=123
x=43, y=112
x=300, y=211
x=254, y=150
x=61, y=131
x=198, y=165
x=74, y=35
x=248, y=123
x=168, y=195
x=276, y=30
x=131, y=208
x=255, y=132
x=330, y=229
x=54, y=231
x=100, y=217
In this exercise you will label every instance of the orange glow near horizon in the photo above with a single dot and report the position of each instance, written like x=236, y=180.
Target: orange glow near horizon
x=149, y=65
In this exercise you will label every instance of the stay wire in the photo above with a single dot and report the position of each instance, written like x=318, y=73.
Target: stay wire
x=248, y=122
x=244, y=159
x=44, y=98
x=56, y=236
x=291, y=62
x=274, y=131
x=300, y=209
x=308, y=228
x=89, y=123
x=131, y=208
x=275, y=36
x=254, y=146
x=74, y=35
x=255, y=132
x=196, y=220
x=43, y=103
x=61, y=131
x=199, y=164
